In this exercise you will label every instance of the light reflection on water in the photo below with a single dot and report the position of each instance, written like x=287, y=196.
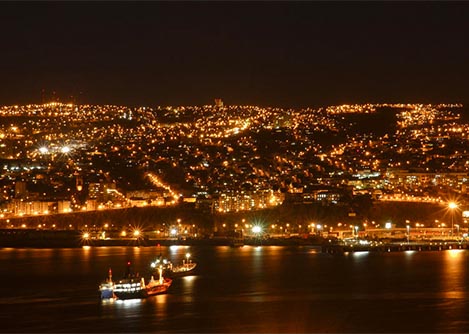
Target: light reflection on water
x=248, y=289
x=454, y=274
x=129, y=304
x=360, y=253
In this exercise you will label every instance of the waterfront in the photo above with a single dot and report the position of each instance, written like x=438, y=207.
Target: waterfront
x=248, y=289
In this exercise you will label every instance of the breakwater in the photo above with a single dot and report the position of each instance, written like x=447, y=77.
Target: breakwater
x=396, y=247
x=30, y=238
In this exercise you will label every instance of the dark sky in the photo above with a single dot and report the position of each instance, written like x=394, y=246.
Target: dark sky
x=264, y=53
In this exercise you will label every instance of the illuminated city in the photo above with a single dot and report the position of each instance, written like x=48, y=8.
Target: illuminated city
x=234, y=166
x=63, y=158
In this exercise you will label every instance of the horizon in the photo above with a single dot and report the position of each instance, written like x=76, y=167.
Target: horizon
x=225, y=105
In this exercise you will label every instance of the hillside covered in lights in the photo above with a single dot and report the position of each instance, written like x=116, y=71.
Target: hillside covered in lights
x=233, y=161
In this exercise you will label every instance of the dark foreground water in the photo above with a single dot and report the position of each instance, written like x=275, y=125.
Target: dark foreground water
x=265, y=289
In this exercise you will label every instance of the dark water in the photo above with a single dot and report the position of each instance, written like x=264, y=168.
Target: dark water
x=237, y=290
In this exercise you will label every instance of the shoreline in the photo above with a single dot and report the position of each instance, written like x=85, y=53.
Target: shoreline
x=77, y=243
x=324, y=246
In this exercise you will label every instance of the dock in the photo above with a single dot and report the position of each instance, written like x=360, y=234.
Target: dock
x=395, y=247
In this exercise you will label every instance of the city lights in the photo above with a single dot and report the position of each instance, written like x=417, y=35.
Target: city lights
x=197, y=162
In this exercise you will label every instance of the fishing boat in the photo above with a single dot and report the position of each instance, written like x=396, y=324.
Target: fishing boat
x=185, y=268
x=106, y=288
x=133, y=286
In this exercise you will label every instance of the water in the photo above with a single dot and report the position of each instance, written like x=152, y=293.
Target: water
x=239, y=290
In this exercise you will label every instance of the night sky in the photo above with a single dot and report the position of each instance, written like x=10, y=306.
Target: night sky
x=287, y=54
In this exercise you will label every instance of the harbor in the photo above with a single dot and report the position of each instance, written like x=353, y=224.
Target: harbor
x=75, y=239
x=239, y=290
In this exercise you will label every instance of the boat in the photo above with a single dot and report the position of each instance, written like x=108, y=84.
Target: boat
x=106, y=288
x=187, y=267
x=133, y=286
x=160, y=286
x=171, y=270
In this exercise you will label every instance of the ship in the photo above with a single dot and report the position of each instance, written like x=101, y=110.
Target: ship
x=134, y=287
x=171, y=270
x=155, y=287
x=187, y=267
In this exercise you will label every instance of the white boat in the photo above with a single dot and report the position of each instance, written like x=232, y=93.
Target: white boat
x=107, y=287
x=185, y=268
x=133, y=286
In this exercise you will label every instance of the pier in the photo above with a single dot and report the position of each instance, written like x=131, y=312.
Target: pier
x=395, y=247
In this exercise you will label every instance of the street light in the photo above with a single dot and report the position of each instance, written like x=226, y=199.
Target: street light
x=256, y=229
x=452, y=206
x=408, y=233
x=318, y=228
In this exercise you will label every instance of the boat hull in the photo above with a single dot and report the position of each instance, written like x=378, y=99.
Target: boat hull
x=156, y=289
x=107, y=290
x=107, y=293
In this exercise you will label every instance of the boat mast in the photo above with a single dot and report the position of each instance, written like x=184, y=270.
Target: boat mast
x=109, y=275
x=160, y=272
